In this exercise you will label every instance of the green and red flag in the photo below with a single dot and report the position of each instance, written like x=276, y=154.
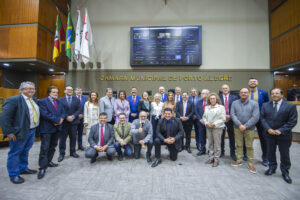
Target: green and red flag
x=60, y=38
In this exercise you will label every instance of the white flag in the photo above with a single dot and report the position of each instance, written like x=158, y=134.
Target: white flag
x=87, y=39
x=78, y=37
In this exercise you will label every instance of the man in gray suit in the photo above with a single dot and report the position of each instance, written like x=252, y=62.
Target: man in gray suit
x=142, y=133
x=101, y=139
x=107, y=105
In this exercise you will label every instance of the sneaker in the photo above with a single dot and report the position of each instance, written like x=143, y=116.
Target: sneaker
x=236, y=164
x=252, y=169
x=209, y=161
x=216, y=163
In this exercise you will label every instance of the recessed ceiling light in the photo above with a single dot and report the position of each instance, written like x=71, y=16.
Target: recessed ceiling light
x=6, y=64
x=291, y=69
x=51, y=70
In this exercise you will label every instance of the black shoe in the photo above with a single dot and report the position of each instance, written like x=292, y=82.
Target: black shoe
x=148, y=159
x=156, y=163
x=29, y=171
x=188, y=150
x=233, y=156
x=222, y=154
x=270, y=172
x=109, y=158
x=120, y=158
x=52, y=164
x=41, y=173
x=200, y=153
x=287, y=178
x=17, y=180
x=81, y=148
x=60, y=158
x=93, y=160
x=74, y=155
x=199, y=149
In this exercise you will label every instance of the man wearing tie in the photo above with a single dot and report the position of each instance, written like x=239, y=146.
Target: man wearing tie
x=133, y=103
x=101, y=139
x=201, y=135
x=19, y=119
x=260, y=96
x=227, y=99
x=279, y=118
x=177, y=96
x=71, y=106
x=107, y=105
x=163, y=95
x=185, y=112
x=82, y=99
x=52, y=117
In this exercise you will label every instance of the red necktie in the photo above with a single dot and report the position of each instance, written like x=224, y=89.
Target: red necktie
x=79, y=98
x=102, y=136
x=204, y=105
x=133, y=100
x=226, y=105
x=55, y=105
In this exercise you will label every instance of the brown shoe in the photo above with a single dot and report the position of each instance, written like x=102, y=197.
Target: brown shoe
x=252, y=169
x=236, y=164
x=215, y=164
x=209, y=161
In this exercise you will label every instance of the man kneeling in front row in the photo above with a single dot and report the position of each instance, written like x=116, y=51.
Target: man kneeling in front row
x=101, y=139
x=169, y=131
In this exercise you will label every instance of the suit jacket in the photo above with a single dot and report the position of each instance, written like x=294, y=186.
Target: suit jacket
x=142, y=107
x=127, y=137
x=74, y=109
x=146, y=135
x=216, y=115
x=175, y=98
x=197, y=98
x=107, y=106
x=189, y=110
x=94, y=135
x=133, y=107
x=164, y=99
x=231, y=99
x=15, y=117
x=119, y=107
x=199, y=110
x=176, y=131
x=284, y=120
x=82, y=102
x=263, y=97
x=49, y=115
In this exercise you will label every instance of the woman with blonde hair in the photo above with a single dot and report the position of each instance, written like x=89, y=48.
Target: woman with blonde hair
x=91, y=113
x=214, y=118
x=156, y=109
x=170, y=103
x=145, y=104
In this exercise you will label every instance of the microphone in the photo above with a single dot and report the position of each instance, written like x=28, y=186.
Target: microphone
x=143, y=124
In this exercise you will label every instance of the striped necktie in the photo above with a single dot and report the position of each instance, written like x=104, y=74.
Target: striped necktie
x=35, y=115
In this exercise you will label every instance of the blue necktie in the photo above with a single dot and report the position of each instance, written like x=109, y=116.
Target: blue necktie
x=252, y=95
x=69, y=101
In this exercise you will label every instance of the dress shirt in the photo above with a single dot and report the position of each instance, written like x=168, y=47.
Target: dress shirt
x=278, y=104
x=32, y=124
x=156, y=109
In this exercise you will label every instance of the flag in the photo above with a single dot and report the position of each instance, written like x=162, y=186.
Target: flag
x=59, y=40
x=70, y=36
x=87, y=39
x=78, y=37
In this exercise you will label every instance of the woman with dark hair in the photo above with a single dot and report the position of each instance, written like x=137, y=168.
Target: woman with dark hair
x=145, y=104
x=121, y=106
x=170, y=103
x=91, y=113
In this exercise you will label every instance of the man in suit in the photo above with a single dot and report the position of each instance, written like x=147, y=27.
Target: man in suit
x=260, y=96
x=292, y=93
x=133, y=103
x=177, y=96
x=142, y=134
x=201, y=135
x=123, y=136
x=279, y=118
x=80, y=126
x=227, y=99
x=185, y=112
x=52, y=117
x=101, y=139
x=169, y=132
x=19, y=119
x=71, y=106
x=107, y=105
x=163, y=95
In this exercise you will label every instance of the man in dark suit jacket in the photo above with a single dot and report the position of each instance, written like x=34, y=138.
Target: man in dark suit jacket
x=169, y=132
x=162, y=93
x=133, y=103
x=52, y=117
x=260, y=96
x=185, y=112
x=101, y=139
x=80, y=126
x=227, y=99
x=177, y=95
x=71, y=106
x=278, y=118
x=194, y=98
x=19, y=119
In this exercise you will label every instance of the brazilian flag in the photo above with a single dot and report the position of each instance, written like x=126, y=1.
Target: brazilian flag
x=70, y=35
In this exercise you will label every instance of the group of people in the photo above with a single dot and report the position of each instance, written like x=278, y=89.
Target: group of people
x=125, y=125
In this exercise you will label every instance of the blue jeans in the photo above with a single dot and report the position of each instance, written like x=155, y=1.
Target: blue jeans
x=127, y=149
x=17, y=159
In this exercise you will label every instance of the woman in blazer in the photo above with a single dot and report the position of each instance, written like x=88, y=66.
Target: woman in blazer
x=214, y=119
x=145, y=104
x=121, y=106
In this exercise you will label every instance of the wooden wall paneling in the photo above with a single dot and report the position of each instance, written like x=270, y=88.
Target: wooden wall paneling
x=44, y=81
x=4, y=35
x=274, y=4
x=284, y=18
x=286, y=49
x=18, y=11
x=286, y=81
x=0, y=78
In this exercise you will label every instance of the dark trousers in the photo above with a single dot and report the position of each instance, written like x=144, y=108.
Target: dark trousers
x=80, y=127
x=197, y=136
x=171, y=147
x=48, y=143
x=132, y=118
x=230, y=131
x=187, y=127
x=137, y=149
x=284, y=144
x=112, y=121
x=17, y=159
x=68, y=130
x=154, y=126
x=263, y=143
x=202, y=137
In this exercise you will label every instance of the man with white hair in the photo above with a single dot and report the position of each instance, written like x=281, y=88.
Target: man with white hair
x=177, y=96
x=163, y=95
x=19, y=119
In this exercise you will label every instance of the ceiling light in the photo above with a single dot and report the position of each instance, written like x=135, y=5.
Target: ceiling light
x=291, y=69
x=51, y=70
x=6, y=64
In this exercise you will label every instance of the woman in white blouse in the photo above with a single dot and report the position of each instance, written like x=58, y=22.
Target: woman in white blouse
x=214, y=118
x=91, y=113
x=156, y=109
